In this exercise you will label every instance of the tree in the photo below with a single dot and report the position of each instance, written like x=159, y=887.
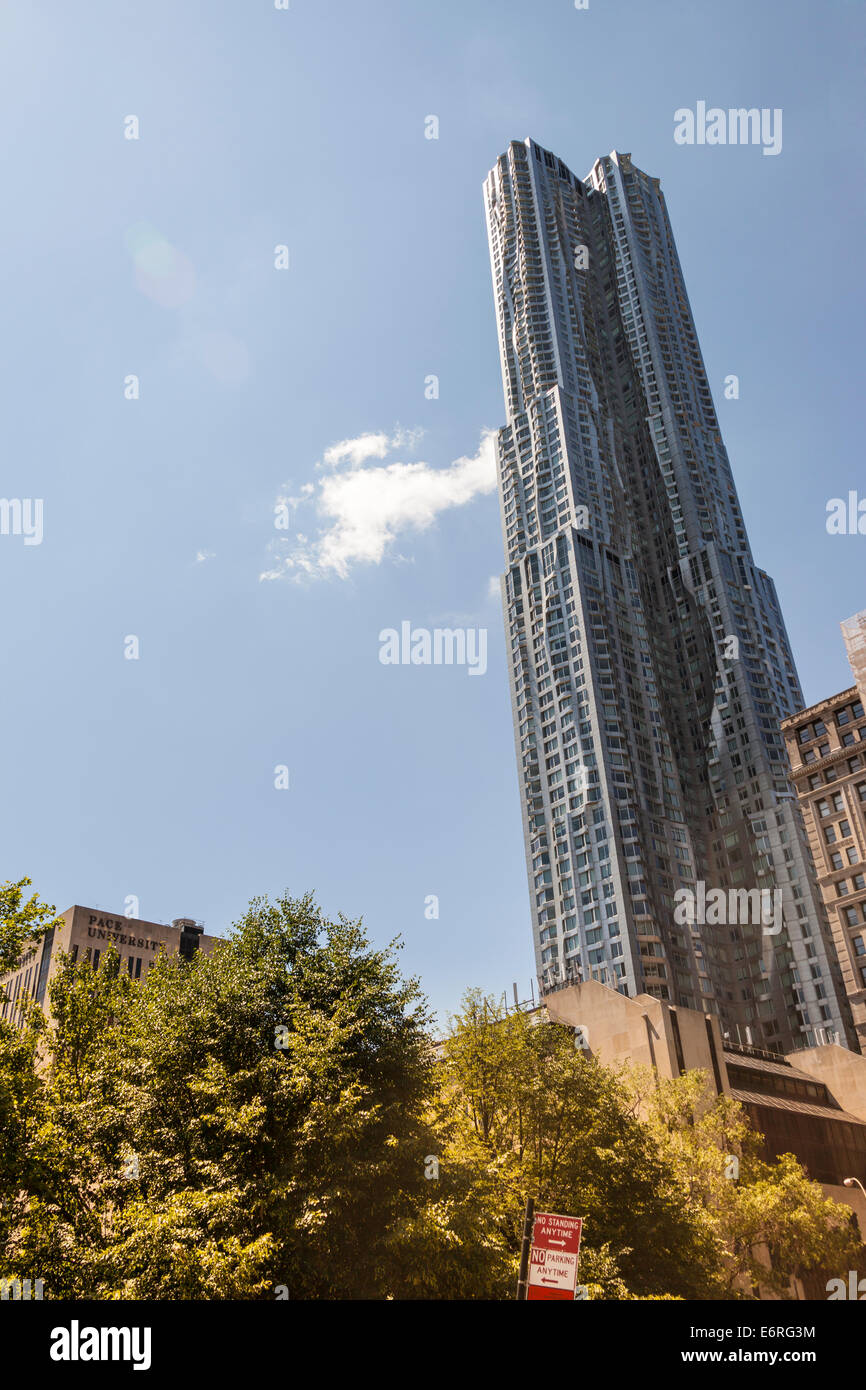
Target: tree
x=770, y=1221
x=253, y=1119
x=21, y=922
x=647, y=1161
x=274, y=1116
x=58, y=1210
x=530, y=1115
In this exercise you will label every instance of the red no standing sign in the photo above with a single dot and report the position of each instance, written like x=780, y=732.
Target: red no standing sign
x=553, y=1261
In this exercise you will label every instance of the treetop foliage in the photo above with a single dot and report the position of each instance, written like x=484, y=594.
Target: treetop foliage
x=274, y=1115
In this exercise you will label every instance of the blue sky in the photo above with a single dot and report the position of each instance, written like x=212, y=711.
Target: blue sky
x=155, y=257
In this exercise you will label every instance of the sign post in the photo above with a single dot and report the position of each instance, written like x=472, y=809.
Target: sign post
x=525, y=1248
x=553, y=1261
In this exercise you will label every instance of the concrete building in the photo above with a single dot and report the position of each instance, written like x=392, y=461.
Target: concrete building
x=827, y=750
x=811, y=1102
x=85, y=933
x=649, y=663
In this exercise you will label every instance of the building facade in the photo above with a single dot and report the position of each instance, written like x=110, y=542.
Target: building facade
x=649, y=662
x=85, y=934
x=827, y=750
x=854, y=634
x=811, y=1103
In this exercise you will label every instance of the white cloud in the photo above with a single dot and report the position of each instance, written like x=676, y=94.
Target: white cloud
x=202, y=555
x=364, y=510
x=494, y=590
x=357, y=451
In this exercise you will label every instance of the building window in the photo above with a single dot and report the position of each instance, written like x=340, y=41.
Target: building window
x=45, y=963
x=859, y=945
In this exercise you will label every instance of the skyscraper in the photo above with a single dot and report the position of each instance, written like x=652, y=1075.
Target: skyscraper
x=649, y=663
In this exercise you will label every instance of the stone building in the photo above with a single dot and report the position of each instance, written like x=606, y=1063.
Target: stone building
x=827, y=750
x=85, y=933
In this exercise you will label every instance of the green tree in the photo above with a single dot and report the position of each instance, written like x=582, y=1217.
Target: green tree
x=21, y=921
x=57, y=1213
x=669, y=1178
x=274, y=1113
x=530, y=1115
x=770, y=1221
x=252, y=1119
x=288, y=1072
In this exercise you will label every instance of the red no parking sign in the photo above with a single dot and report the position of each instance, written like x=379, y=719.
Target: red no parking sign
x=553, y=1261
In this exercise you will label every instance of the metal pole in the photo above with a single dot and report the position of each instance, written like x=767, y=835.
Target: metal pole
x=528, y=1223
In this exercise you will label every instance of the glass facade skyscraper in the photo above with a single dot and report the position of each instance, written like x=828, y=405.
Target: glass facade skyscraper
x=649, y=663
